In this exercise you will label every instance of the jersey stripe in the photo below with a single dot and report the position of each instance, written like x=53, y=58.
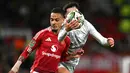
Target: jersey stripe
x=38, y=34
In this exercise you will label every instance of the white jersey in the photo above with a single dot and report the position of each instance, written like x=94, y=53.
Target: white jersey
x=78, y=39
x=79, y=36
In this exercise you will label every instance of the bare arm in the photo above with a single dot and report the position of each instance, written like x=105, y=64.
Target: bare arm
x=16, y=67
x=20, y=60
x=34, y=43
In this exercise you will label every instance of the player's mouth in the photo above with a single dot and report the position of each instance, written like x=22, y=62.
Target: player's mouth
x=54, y=29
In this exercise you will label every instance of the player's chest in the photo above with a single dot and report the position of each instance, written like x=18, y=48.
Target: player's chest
x=51, y=43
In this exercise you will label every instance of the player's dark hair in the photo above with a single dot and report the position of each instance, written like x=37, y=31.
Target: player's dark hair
x=58, y=10
x=70, y=4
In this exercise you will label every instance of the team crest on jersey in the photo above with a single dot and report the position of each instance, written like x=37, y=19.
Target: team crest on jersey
x=54, y=48
x=48, y=39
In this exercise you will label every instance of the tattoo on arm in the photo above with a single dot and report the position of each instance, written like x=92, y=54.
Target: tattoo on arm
x=21, y=58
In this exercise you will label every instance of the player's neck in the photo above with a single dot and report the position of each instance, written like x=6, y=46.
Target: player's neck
x=55, y=32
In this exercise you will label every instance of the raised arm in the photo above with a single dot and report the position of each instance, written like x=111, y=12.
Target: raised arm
x=66, y=28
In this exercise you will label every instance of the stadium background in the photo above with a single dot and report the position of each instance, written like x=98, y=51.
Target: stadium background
x=21, y=19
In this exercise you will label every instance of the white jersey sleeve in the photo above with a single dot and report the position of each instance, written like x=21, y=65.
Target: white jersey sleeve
x=62, y=34
x=102, y=40
x=79, y=36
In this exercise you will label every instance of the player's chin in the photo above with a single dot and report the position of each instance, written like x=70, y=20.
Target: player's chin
x=54, y=27
x=54, y=30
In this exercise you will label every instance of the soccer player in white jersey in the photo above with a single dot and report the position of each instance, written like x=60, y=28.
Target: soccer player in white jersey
x=78, y=38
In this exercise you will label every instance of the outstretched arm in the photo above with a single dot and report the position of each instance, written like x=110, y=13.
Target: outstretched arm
x=102, y=40
x=15, y=68
x=28, y=50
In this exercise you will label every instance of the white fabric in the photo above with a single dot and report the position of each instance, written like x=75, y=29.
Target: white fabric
x=79, y=36
x=60, y=65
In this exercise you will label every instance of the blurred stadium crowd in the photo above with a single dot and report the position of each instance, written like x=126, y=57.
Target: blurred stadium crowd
x=21, y=19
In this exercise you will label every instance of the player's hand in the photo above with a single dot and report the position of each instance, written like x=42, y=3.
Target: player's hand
x=12, y=71
x=110, y=41
x=72, y=25
x=78, y=53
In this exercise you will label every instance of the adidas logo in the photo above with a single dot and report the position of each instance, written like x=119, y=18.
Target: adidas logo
x=48, y=39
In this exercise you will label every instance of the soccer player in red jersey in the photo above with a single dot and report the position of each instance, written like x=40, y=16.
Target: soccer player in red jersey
x=49, y=52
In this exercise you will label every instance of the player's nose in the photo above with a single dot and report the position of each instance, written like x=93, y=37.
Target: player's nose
x=54, y=25
x=53, y=22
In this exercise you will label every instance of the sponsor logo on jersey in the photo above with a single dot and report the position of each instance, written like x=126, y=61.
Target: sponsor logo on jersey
x=53, y=48
x=51, y=55
x=48, y=39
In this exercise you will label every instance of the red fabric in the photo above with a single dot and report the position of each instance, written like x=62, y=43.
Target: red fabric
x=48, y=50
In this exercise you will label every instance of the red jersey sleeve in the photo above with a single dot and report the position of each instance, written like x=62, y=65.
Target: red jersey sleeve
x=64, y=54
x=34, y=44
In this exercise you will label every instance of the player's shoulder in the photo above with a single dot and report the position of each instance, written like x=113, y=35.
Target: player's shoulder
x=42, y=32
x=87, y=22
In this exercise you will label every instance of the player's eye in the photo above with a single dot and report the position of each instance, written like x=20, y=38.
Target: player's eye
x=51, y=19
x=57, y=20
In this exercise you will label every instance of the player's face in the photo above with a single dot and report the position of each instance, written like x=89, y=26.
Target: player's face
x=68, y=10
x=56, y=20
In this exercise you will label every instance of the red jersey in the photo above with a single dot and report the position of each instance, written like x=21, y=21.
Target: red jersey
x=48, y=50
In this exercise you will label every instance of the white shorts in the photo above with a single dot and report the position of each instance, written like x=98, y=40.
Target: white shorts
x=70, y=65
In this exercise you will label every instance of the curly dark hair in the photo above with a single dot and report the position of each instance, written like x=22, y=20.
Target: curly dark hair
x=70, y=4
x=58, y=10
